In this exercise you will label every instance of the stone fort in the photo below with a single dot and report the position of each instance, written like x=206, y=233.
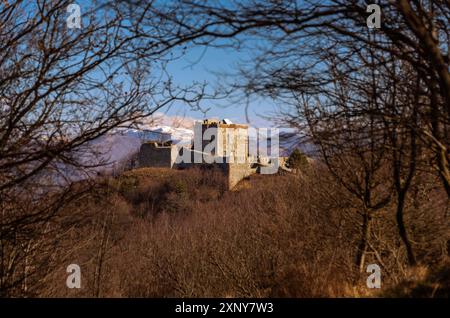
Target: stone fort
x=219, y=143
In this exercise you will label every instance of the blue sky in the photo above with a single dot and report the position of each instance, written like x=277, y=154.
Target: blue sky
x=202, y=66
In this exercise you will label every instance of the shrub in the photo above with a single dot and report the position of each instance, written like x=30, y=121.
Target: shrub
x=297, y=160
x=281, y=236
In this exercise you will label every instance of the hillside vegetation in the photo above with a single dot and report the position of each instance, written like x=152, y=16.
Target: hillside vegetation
x=169, y=233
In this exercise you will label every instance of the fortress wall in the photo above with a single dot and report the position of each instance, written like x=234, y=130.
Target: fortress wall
x=237, y=172
x=151, y=155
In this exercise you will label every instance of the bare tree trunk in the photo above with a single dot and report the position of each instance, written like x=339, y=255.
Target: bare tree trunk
x=101, y=256
x=438, y=138
x=444, y=171
x=402, y=229
x=430, y=46
x=2, y=259
x=362, y=247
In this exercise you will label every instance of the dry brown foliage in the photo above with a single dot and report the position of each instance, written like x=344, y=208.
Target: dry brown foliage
x=167, y=233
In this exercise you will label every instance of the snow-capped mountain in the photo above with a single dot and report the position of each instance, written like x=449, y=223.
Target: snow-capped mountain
x=115, y=148
x=114, y=151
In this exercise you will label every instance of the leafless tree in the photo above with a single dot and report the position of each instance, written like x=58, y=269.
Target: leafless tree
x=289, y=38
x=322, y=58
x=60, y=89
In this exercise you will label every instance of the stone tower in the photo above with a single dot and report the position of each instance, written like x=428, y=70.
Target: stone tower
x=224, y=139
